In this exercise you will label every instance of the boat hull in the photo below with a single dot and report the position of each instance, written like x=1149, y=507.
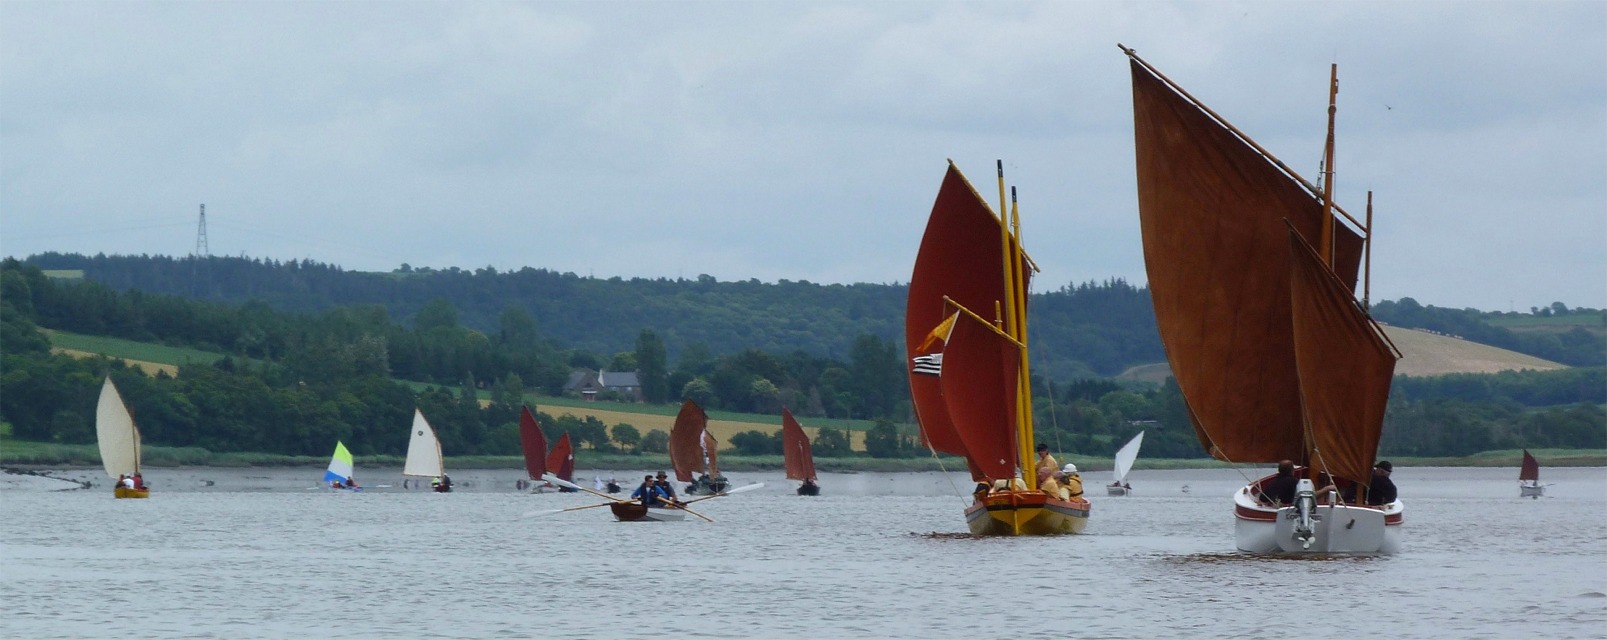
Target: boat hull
x=635, y=512
x=125, y=492
x=1116, y=490
x=1337, y=528
x=1531, y=491
x=809, y=490
x=1026, y=513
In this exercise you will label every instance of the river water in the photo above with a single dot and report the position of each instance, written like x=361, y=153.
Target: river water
x=254, y=553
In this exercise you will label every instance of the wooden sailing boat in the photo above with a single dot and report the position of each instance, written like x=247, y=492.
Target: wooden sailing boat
x=424, y=455
x=799, y=457
x=965, y=335
x=1252, y=279
x=1125, y=457
x=1529, y=478
x=533, y=443
x=694, y=453
x=119, y=441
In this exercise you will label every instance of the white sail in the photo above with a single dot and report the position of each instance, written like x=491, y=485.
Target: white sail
x=423, y=449
x=114, y=428
x=1126, y=455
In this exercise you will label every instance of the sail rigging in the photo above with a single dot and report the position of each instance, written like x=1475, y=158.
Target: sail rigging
x=561, y=461
x=800, y=459
x=423, y=449
x=116, y=433
x=533, y=443
x=686, y=441
x=1125, y=457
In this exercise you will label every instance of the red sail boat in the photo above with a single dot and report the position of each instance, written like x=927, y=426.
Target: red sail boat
x=1253, y=279
x=561, y=461
x=800, y=458
x=1529, y=478
x=965, y=334
x=694, y=453
x=538, y=461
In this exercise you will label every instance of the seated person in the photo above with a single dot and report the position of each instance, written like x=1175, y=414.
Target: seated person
x=1070, y=482
x=649, y=493
x=1051, y=484
x=1381, y=490
x=1280, y=490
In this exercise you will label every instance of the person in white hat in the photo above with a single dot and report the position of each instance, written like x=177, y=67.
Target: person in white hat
x=1070, y=482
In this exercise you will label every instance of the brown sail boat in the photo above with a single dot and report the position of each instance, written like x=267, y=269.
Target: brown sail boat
x=1252, y=277
x=1529, y=478
x=800, y=459
x=965, y=335
x=694, y=453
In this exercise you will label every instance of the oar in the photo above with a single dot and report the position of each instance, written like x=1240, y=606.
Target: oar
x=746, y=487
x=682, y=506
x=570, y=485
x=548, y=512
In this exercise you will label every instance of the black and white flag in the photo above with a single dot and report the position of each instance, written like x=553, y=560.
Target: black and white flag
x=930, y=364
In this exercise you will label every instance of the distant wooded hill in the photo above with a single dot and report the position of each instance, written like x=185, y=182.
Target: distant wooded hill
x=1083, y=330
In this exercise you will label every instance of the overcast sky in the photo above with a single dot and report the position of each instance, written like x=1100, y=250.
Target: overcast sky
x=798, y=141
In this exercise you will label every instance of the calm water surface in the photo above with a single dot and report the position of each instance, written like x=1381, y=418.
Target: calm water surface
x=254, y=553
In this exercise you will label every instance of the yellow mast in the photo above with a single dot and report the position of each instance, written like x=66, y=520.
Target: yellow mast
x=1015, y=327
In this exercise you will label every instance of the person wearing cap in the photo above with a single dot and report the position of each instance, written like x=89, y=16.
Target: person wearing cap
x=1381, y=490
x=664, y=486
x=1047, y=465
x=1070, y=482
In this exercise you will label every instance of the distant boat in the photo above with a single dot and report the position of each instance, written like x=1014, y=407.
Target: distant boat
x=119, y=440
x=634, y=511
x=538, y=461
x=424, y=455
x=1529, y=478
x=1252, y=274
x=339, y=474
x=694, y=453
x=561, y=461
x=800, y=458
x=1124, y=463
x=965, y=334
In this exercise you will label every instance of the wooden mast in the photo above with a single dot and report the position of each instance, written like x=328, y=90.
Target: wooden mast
x=1367, y=258
x=1023, y=377
x=1023, y=448
x=1327, y=246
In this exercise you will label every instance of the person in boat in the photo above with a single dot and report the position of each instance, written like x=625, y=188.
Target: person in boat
x=446, y=482
x=980, y=492
x=435, y=483
x=613, y=486
x=127, y=482
x=139, y=481
x=1325, y=486
x=1281, y=489
x=1051, y=484
x=1382, y=490
x=650, y=493
x=351, y=483
x=664, y=486
x=1070, y=482
x=1047, y=465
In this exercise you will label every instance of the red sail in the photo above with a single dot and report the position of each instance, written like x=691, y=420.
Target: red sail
x=534, y=444
x=981, y=369
x=561, y=462
x=1344, y=365
x=686, y=441
x=795, y=449
x=1531, y=468
x=711, y=451
x=960, y=257
x=1212, y=211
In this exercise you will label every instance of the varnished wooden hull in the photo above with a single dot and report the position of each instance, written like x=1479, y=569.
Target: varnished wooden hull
x=125, y=492
x=635, y=512
x=1026, y=513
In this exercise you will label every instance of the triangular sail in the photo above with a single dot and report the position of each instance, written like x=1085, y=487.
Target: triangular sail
x=686, y=441
x=981, y=368
x=1125, y=457
x=962, y=258
x=534, y=444
x=1531, y=468
x=1344, y=367
x=423, y=449
x=561, y=462
x=340, y=465
x=1212, y=212
x=795, y=449
x=116, y=433
x=711, y=453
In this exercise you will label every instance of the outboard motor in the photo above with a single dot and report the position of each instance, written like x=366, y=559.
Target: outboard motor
x=1305, y=506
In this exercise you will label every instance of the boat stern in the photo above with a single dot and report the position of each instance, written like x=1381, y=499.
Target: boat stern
x=1026, y=513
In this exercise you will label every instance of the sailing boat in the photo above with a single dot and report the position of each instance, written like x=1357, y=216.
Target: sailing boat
x=119, y=441
x=561, y=462
x=1253, y=280
x=968, y=373
x=339, y=474
x=534, y=445
x=424, y=455
x=800, y=458
x=1124, y=463
x=694, y=450
x=1529, y=478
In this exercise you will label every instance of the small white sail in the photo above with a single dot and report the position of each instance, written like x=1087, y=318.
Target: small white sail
x=1125, y=457
x=423, y=449
x=115, y=430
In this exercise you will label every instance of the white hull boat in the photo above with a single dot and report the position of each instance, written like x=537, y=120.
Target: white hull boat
x=1326, y=528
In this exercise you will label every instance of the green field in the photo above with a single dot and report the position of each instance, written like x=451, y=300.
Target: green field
x=131, y=350
x=64, y=274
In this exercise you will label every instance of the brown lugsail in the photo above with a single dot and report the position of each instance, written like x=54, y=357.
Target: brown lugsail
x=561, y=461
x=686, y=441
x=1344, y=365
x=961, y=257
x=795, y=449
x=711, y=452
x=534, y=444
x=1530, y=469
x=1212, y=212
x=979, y=387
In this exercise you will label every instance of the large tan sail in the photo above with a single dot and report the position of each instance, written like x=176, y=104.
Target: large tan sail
x=423, y=449
x=116, y=433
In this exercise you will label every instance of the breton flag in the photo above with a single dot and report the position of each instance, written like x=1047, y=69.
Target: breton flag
x=931, y=364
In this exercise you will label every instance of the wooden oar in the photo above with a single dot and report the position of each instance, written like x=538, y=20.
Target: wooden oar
x=548, y=512
x=570, y=485
x=746, y=487
x=682, y=506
